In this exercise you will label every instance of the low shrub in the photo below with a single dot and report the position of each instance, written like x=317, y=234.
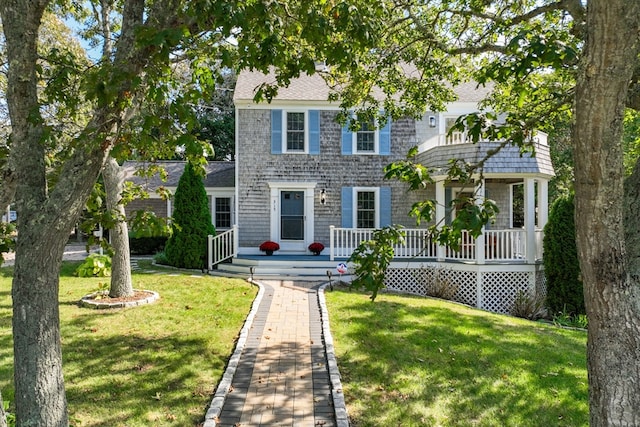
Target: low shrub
x=528, y=306
x=95, y=265
x=161, y=258
x=441, y=287
x=563, y=318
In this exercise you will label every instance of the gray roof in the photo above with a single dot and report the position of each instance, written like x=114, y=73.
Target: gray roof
x=314, y=88
x=304, y=88
x=507, y=161
x=219, y=174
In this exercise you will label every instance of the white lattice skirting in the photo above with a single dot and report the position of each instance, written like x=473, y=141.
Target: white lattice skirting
x=489, y=287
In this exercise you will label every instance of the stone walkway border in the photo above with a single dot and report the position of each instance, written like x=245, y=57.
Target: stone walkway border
x=223, y=389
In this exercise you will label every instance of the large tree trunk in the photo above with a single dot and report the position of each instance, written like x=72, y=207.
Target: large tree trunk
x=36, y=330
x=121, y=285
x=45, y=219
x=3, y=415
x=612, y=293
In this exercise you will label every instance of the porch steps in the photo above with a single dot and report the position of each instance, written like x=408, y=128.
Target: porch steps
x=292, y=267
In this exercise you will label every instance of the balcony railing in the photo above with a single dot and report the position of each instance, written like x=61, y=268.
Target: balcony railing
x=456, y=138
x=492, y=245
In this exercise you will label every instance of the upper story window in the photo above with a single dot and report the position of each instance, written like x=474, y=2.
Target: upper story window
x=370, y=138
x=366, y=140
x=295, y=131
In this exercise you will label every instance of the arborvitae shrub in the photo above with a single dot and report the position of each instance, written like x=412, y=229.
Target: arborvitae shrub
x=561, y=267
x=187, y=246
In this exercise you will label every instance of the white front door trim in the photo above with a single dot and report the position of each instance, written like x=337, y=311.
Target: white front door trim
x=274, y=200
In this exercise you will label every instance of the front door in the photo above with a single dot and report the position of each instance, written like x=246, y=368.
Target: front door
x=292, y=216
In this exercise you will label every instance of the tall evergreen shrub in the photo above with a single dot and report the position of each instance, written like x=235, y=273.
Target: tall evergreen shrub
x=561, y=267
x=187, y=246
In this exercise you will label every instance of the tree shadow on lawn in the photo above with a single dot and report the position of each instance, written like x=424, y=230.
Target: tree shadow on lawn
x=468, y=366
x=114, y=380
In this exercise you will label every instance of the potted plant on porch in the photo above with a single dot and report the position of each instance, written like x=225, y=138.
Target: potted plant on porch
x=316, y=248
x=269, y=247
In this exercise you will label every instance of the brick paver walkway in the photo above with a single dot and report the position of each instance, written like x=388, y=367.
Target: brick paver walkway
x=282, y=377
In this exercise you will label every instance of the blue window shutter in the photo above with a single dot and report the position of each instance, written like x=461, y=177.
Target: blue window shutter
x=347, y=207
x=385, y=139
x=447, y=206
x=385, y=206
x=314, y=132
x=347, y=140
x=276, y=131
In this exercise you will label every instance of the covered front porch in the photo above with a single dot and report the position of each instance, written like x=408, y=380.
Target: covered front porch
x=487, y=273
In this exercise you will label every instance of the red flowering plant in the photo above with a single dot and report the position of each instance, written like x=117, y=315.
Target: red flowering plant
x=269, y=247
x=316, y=247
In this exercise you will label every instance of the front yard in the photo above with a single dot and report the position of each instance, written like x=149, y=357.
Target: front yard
x=155, y=365
x=409, y=361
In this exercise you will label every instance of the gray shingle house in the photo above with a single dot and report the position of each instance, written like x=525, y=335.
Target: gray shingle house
x=299, y=172
x=302, y=177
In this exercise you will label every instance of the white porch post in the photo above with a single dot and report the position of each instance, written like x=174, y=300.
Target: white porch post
x=529, y=219
x=480, y=256
x=440, y=213
x=543, y=202
x=332, y=230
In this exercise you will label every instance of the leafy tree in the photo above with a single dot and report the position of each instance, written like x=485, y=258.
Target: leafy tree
x=216, y=118
x=187, y=246
x=372, y=258
x=561, y=266
x=543, y=59
x=48, y=169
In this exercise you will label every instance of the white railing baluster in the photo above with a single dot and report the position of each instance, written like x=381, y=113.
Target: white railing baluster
x=222, y=246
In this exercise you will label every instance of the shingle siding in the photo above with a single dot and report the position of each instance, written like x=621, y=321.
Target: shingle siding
x=330, y=169
x=157, y=206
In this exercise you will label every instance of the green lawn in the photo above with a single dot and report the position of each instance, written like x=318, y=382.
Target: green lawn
x=409, y=361
x=155, y=365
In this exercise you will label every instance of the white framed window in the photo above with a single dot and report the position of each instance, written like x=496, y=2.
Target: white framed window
x=221, y=209
x=367, y=139
x=222, y=212
x=516, y=205
x=295, y=125
x=366, y=207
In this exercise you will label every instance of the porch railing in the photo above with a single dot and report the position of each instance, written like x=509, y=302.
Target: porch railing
x=222, y=247
x=499, y=245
